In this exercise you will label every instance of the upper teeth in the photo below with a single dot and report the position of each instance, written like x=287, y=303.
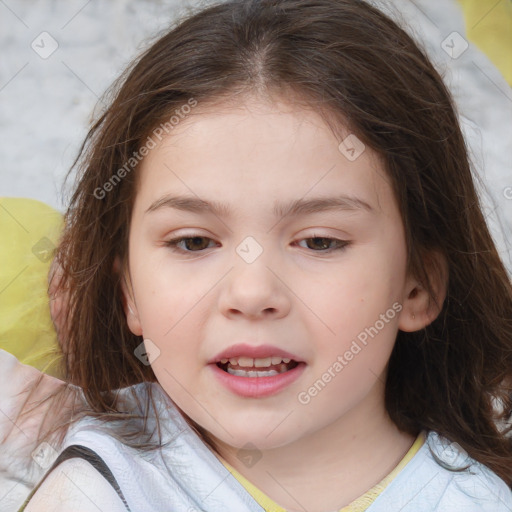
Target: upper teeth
x=258, y=363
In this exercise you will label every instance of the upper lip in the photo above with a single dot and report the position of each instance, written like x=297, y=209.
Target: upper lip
x=254, y=351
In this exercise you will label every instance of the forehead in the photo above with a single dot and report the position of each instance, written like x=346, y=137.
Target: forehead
x=258, y=149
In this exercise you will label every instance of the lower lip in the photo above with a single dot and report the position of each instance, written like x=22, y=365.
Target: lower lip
x=258, y=387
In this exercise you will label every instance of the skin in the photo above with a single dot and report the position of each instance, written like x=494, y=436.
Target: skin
x=316, y=456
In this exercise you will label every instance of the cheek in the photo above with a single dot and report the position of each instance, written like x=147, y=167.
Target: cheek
x=172, y=309
x=360, y=308
x=166, y=292
x=354, y=294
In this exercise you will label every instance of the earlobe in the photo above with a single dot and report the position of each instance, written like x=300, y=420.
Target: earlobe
x=130, y=309
x=419, y=308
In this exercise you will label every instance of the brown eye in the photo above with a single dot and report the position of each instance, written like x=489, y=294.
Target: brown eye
x=190, y=244
x=325, y=244
x=320, y=243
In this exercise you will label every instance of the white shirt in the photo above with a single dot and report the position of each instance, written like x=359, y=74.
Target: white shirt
x=186, y=476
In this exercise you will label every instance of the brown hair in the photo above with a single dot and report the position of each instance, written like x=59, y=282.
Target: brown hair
x=355, y=66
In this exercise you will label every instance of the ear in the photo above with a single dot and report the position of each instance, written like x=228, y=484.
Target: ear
x=130, y=309
x=419, y=309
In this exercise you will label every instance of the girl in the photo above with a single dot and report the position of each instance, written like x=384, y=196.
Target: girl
x=283, y=294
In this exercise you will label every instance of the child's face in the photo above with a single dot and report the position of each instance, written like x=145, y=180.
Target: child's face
x=337, y=312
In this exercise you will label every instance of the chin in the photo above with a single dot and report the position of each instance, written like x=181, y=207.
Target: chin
x=259, y=438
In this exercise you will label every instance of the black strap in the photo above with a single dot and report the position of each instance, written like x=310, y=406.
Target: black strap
x=82, y=452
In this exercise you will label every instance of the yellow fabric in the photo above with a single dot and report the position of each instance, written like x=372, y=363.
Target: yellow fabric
x=29, y=232
x=362, y=503
x=358, y=505
x=489, y=26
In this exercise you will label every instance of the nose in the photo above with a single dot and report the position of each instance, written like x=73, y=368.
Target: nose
x=255, y=290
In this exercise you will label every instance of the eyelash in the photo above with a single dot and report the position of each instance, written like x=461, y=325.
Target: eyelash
x=173, y=244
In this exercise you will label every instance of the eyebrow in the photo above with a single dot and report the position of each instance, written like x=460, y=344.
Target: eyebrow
x=294, y=208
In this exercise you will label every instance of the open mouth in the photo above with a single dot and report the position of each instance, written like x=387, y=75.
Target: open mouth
x=248, y=367
x=257, y=377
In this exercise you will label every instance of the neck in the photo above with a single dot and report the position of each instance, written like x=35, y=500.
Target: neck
x=331, y=467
